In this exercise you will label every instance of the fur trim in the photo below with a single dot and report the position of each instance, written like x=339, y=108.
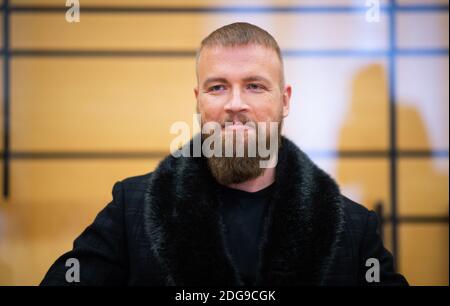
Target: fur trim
x=301, y=234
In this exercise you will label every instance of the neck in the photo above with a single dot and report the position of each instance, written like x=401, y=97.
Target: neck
x=258, y=183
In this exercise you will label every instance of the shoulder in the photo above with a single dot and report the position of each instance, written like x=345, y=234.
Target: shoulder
x=129, y=192
x=354, y=211
x=139, y=182
x=358, y=218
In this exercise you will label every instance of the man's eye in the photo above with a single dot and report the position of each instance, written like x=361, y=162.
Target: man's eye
x=255, y=87
x=216, y=88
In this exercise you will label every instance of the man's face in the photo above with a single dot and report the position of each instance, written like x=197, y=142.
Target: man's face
x=242, y=83
x=237, y=85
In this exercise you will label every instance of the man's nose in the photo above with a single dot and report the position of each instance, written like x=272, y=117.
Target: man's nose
x=236, y=104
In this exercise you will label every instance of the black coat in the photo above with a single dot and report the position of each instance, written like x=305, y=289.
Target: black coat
x=163, y=228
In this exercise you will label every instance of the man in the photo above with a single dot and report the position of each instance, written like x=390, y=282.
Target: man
x=222, y=220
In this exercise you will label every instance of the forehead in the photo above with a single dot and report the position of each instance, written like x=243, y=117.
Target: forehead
x=238, y=62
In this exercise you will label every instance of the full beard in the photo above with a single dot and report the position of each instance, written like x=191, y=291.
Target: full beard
x=236, y=169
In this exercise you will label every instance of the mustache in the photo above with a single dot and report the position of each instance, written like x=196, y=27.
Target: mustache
x=242, y=118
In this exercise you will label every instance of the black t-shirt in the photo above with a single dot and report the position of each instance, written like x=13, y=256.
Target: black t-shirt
x=243, y=215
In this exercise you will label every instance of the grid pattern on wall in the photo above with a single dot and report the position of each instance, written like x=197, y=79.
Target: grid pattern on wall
x=391, y=54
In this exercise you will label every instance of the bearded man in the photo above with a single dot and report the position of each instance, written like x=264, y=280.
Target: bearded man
x=231, y=219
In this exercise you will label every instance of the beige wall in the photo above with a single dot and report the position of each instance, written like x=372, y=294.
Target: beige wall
x=127, y=104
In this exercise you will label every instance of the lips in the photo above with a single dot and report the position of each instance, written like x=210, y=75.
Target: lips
x=237, y=126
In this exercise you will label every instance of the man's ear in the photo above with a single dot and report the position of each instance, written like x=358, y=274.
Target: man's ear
x=196, y=91
x=287, y=93
x=196, y=100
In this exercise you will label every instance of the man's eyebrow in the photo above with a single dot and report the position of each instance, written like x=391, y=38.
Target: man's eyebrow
x=213, y=80
x=256, y=78
x=253, y=78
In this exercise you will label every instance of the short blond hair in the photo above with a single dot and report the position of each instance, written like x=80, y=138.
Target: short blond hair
x=242, y=34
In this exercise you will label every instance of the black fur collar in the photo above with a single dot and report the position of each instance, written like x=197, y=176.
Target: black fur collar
x=186, y=232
